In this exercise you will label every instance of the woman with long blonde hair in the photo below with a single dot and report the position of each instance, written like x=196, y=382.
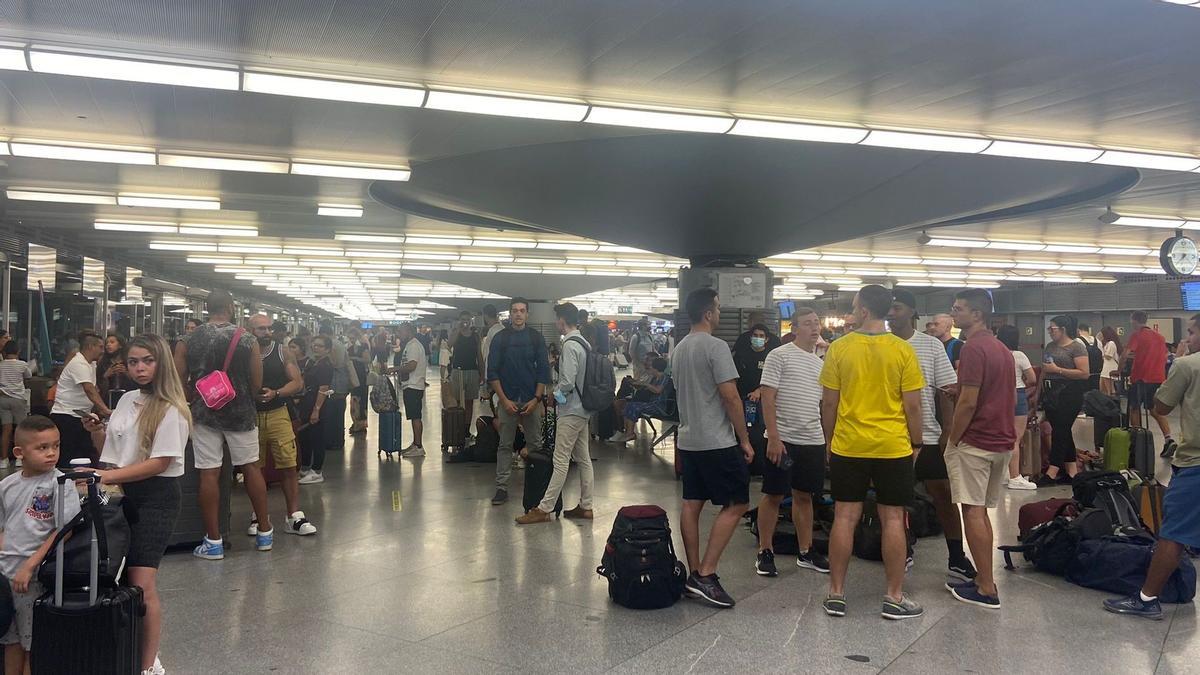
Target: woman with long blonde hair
x=143, y=445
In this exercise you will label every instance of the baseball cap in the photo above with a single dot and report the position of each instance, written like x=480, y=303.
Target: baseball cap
x=907, y=298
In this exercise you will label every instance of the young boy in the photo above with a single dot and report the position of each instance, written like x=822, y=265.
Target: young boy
x=27, y=508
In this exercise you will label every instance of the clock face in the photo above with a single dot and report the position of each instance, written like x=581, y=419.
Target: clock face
x=1179, y=255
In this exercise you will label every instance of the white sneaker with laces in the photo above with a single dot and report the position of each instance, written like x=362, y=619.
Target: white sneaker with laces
x=298, y=524
x=1021, y=483
x=252, y=531
x=617, y=437
x=312, y=478
x=413, y=451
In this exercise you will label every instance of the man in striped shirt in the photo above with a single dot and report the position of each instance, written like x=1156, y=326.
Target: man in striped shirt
x=791, y=405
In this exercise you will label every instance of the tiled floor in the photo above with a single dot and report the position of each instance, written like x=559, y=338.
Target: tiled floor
x=414, y=571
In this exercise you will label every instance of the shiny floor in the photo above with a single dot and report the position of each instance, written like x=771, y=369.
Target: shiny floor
x=414, y=571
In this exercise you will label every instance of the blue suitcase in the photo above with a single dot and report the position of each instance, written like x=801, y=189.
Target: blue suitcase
x=390, y=426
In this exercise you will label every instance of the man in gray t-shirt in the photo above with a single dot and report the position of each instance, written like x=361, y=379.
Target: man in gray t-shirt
x=713, y=448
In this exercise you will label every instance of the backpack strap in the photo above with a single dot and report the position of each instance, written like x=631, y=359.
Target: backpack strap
x=233, y=343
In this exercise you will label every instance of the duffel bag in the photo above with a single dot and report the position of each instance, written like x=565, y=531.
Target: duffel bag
x=1118, y=564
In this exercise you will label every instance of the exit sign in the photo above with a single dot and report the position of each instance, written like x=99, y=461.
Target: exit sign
x=624, y=309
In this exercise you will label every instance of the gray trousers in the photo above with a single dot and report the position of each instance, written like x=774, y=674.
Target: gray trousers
x=531, y=426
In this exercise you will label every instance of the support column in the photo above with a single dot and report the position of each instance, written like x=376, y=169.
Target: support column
x=745, y=289
x=7, y=304
x=156, y=313
x=541, y=317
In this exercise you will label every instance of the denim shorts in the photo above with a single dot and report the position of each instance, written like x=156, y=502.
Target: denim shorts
x=1181, y=508
x=1022, y=403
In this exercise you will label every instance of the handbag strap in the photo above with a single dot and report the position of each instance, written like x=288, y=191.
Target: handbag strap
x=233, y=343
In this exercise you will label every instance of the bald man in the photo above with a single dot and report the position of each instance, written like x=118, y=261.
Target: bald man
x=940, y=329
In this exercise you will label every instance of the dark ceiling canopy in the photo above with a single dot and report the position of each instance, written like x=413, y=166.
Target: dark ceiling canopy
x=692, y=195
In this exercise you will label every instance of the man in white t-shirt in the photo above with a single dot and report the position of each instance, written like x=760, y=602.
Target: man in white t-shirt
x=941, y=382
x=76, y=395
x=412, y=367
x=791, y=407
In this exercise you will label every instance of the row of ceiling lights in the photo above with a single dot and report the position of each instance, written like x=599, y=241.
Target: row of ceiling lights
x=155, y=200
x=307, y=85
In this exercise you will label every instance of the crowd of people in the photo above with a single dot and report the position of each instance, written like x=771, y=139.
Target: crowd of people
x=871, y=411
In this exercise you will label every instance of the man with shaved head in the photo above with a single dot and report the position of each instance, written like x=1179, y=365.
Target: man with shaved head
x=281, y=380
x=942, y=323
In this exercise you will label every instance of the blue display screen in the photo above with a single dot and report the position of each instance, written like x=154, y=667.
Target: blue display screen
x=786, y=309
x=1191, y=295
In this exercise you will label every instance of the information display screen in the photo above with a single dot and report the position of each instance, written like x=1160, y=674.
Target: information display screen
x=1191, y=295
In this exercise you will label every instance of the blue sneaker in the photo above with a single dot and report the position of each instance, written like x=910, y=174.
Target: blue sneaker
x=970, y=594
x=1135, y=606
x=210, y=550
x=263, y=541
x=953, y=583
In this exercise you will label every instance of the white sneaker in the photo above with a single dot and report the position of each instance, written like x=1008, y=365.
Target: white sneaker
x=312, y=478
x=1021, y=483
x=304, y=472
x=617, y=437
x=413, y=451
x=252, y=531
x=17, y=462
x=298, y=524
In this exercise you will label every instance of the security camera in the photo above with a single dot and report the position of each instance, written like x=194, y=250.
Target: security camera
x=923, y=238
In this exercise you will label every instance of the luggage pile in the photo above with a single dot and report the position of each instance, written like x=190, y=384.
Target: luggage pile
x=1099, y=538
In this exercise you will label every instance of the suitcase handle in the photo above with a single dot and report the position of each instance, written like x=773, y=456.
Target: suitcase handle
x=98, y=534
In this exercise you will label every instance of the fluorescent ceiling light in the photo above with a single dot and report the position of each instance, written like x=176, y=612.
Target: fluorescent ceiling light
x=429, y=256
x=215, y=260
x=795, y=131
x=1098, y=280
x=181, y=246
x=312, y=250
x=1036, y=266
x=944, y=262
x=26, y=194
x=486, y=258
x=931, y=142
x=375, y=238
x=1118, y=250
x=216, y=163
x=957, y=243
x=123, y=226
x=372, y=254
x=133, y=70
x=1082, y=268
x=507, y=106
x=1119, y=268
x=249, y=248
x=563, y=270
x=1060, y=153
x=437, y=240
x=895, y=260
x=340, y=210
x=13, y=58
x=473, y=268
x=168, y=201
x=218, y=230
x=1146, y=221
x=426, y=266
x=1145, y=160
x=1071, y=248
x=845, y=257
x=312, y=167
x=1016, y=245
x=82, y=153
x=659, y=119
x=308, y=86
x=272, y=262
x=566, y=246
x=504, y=243
x=1060, y=278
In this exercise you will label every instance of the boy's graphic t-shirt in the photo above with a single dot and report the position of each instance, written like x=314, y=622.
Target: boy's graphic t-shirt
x=27, y=508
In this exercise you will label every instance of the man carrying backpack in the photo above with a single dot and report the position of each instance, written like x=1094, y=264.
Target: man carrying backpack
x=1181, y=502
x=571, y=437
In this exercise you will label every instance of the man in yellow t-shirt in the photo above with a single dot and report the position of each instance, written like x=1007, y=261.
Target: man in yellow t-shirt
x=871, y=415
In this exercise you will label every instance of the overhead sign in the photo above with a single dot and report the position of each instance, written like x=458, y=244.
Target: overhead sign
x=624, y=309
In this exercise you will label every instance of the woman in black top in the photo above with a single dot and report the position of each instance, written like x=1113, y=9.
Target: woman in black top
x=113, y=379
x=318, y=382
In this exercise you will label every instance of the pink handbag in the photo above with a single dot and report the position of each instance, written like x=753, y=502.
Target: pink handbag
x=215, y=389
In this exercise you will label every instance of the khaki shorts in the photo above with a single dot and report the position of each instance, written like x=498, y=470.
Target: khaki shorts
x=208, y=446
x=21, y=630
x=275, y=435
x=976, y=476
x=12, y=410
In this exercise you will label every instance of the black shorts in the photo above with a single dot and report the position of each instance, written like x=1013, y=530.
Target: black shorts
x=414, y=400
x=158, y=500
x=931, y=463
x=720, y=476
x=807, y=473
x=851, y=477
x=1141, y=395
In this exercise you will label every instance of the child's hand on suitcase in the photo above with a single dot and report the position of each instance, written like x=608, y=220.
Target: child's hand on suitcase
x=20, y=580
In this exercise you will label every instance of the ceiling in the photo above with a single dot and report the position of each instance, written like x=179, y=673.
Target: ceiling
x=1109, y=72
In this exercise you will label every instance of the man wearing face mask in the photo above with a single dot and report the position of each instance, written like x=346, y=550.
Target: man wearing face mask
x=281, y=381
x=749, y=361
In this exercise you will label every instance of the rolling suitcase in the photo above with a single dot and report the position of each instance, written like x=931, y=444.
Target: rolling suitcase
x=454, y=429
x=96, y=629
x=539, y=468
x=391, y=425
x=1116, y=449
x=1141, y=446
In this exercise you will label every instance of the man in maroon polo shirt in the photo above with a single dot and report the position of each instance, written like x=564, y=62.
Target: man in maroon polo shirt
x=981, y=437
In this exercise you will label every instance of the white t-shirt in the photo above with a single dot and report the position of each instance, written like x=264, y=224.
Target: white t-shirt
x=122, y=446
x=1110, y=358
x=486, y=346
x=795, y=376
x=70, y=396
x=415, y=351
x=939, y=373
x=1023, y=365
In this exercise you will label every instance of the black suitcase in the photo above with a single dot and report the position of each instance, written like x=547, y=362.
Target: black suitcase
x=454, y=429
x=1141, y=446
x=537, y=479
x=97, y=629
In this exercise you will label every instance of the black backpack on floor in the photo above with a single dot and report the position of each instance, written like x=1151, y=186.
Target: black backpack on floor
x=639, y=560
x=1109, y=492
x=1051, y=546
x=868, y=534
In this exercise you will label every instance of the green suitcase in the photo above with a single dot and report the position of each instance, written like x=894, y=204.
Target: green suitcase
x=1116, y=449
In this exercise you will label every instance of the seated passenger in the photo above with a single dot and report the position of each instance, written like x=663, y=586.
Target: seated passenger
x=657, y=390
